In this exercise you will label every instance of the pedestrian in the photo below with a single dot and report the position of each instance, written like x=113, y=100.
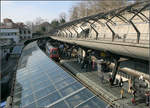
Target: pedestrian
x=117, y=82
x=102, y=78
x=121, y=93
x=147, y=94
x=110, y=80
x=120, y=82
x=7, y=56
x=134, y=92
x=87, y=63
x=83, y=63
x=133, y=101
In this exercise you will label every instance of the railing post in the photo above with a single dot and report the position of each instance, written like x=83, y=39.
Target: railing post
x=137, y=31
x=113, y=33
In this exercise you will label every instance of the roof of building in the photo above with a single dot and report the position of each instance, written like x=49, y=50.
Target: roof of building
x=19, y=25
x=40, y=82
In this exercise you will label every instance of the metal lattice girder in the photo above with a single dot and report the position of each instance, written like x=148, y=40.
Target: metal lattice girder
x=148, y=5
x=82, y=25
x=142, y=14
x=138, y=32
x=93, y=28
x=113, y=13
x=113, y=33
x=67, y=28
x=73, y=26
x=65, y=32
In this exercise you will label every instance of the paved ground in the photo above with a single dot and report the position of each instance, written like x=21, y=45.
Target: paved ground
x=111, y=93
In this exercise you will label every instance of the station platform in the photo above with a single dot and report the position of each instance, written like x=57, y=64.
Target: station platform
x=110, y=93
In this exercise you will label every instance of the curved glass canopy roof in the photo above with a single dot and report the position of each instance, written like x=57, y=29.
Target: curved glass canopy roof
x=42, y=83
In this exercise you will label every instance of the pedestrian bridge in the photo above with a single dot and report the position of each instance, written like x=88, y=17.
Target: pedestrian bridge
x=124, y=31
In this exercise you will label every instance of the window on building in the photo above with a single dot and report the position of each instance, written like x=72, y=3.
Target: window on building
x=29, y=32
x=24, y=32
x=20, y=32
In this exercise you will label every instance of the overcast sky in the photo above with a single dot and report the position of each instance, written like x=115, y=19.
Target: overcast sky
x=23, y=11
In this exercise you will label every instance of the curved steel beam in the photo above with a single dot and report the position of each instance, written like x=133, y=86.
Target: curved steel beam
x=73, y=26
x=63, y=33
x=81, y=26
x=142, y=14
x=66, y=33
x=136, y=15
x=140, y=10
x=69, y=32
x=113, y=33
x=93, y=28
x=137, y=31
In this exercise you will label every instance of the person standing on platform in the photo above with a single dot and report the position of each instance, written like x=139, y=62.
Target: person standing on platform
x=120, y=82
x=147, y=94
x=121, y=93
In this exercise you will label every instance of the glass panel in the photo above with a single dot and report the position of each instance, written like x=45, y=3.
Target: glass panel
x=93, y=103
x=54, y=97
x=44, y=92
x=27, y=100
x=33, y=105
x=48, y=100
x=41, y=85
x=25, y=93
x=69, y=89
x=64, y=83
x=79, y=97
x=43, y=102
x=59, y=105
x=17, y=97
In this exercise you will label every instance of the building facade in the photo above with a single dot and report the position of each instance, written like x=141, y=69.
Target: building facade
x=9, y=34
x=14, y=31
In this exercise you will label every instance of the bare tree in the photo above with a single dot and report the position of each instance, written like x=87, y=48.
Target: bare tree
x=38, y=21
x=74, y=13
x=63, y=15
x=86, y=8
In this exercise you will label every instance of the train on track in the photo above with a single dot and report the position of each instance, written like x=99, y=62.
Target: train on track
x=52, y=52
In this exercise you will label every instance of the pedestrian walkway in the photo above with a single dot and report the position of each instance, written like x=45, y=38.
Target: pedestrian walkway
x=93, y=80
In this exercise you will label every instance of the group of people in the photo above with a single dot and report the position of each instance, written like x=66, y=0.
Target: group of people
x=86, y=63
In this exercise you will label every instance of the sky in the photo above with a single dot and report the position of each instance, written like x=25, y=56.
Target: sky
x=23, y=11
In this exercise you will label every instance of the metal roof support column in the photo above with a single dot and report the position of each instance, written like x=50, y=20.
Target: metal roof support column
x=136, y=14
x=137, y=31
x=113, y=33
x=99, y=22
x=75, y=30
x=59, y=33
x=81, y=27
x=63, y=33
x=93, y=28
x=108, y=21
x=66, y=33
x=69, y=31
x=114, y=73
